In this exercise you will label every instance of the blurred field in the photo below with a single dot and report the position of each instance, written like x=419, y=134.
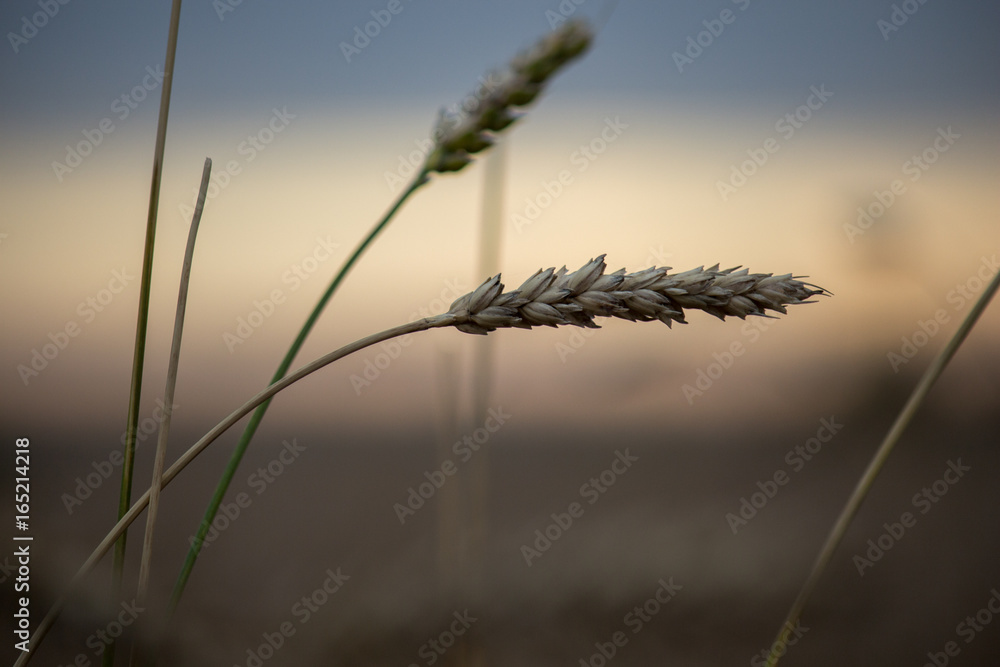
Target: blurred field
x=331, y=508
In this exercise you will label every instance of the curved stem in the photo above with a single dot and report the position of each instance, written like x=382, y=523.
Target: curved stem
x=196, y=449
x=920, y=392
x=251, y=427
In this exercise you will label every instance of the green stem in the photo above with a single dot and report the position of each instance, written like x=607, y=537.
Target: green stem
x=139, y=353
x=438, y=321
x=251, y=427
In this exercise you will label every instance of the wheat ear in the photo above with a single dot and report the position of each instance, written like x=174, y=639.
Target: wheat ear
x=548, y=298
x=555, y=298
x=459, y=134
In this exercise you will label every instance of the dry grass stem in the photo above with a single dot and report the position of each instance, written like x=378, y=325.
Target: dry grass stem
x=864, y=485
x=555, y=298
x=159, y=460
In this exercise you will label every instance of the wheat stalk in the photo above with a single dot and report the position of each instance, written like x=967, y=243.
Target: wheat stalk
x=548, y=298
x=555, y=298
x=457, y=135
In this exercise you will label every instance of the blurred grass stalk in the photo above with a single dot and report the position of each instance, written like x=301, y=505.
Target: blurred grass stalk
x=930, y=376
x=463, y=519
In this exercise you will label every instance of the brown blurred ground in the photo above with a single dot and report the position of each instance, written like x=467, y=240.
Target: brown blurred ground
x=664, y=518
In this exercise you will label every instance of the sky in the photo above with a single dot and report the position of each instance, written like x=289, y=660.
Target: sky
x=741, y=132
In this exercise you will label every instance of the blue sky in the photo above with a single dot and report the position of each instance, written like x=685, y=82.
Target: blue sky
x=945, y=53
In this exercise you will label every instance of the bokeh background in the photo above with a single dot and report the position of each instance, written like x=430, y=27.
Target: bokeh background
x=910, y=96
